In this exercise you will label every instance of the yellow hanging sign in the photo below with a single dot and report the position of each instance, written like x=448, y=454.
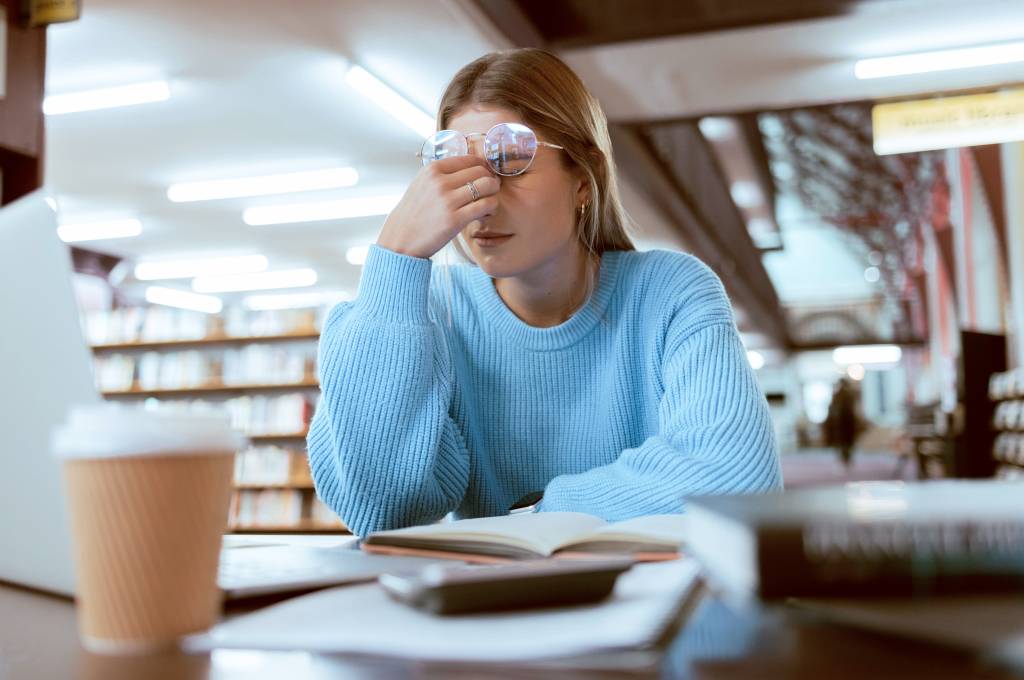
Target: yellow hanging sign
x=45, y=12
x=948, y=122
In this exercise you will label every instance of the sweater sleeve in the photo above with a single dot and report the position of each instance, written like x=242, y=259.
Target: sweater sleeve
x=383, y=450
x=715, y=433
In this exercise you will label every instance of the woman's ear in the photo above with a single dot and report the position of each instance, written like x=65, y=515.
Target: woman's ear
x=582, y=192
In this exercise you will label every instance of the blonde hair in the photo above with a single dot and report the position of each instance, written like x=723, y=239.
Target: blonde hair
x=550, y=98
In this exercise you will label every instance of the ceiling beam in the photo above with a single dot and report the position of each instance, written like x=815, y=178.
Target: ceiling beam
x=509, y=20
x=573, y=24
x=752, y=139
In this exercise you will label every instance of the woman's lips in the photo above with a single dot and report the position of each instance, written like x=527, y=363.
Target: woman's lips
x=489, y=240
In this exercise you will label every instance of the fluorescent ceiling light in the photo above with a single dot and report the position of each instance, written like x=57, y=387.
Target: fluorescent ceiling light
x=761, y=226
x=96, y=231
x=315, y=212
x=182, y=299
x=185, y=269
x=294, y=300
x=107, y=98
x=941, y=60
x=284, y=278
x=745, y=194
x=782, y=170
x=716, y=127
x=867, y=355
x=383, y=96
x=756, y=359
x=357, y=254
x=284, y=183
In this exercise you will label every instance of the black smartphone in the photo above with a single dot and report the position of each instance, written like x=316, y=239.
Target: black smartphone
x=460, y=589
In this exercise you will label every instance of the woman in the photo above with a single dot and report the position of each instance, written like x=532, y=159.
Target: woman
x=562, y=362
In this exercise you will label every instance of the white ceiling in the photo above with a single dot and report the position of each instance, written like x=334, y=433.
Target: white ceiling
x=797, y=64
x=257, y=88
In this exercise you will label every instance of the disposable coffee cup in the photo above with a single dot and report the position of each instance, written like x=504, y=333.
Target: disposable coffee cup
x=148, y=496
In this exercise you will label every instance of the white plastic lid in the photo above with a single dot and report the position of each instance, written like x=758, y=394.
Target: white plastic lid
x=112, y=430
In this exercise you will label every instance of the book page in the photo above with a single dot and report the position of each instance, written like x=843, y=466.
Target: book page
x=649, y=531
x=540, y=532
x=365, y=620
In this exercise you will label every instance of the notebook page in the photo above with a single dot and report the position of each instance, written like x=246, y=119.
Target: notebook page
x=541, y=532
x=364, y=620
x=668, y=529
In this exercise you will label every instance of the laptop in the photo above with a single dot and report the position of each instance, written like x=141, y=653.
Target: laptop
x=47, y=368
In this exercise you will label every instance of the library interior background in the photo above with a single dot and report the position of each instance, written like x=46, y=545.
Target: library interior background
x=866, y=217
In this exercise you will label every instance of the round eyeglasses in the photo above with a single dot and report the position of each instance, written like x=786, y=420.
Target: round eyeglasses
x=509, y=148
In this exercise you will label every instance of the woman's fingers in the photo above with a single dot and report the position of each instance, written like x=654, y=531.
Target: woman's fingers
x=439, y=204
x=473, y=211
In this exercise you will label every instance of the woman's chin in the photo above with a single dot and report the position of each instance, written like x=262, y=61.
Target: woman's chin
x=497, y=265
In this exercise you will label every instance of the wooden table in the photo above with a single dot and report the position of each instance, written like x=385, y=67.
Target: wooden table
x=38, y=640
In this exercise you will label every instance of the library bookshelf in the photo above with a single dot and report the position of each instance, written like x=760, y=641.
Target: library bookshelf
x=216, y=340
x=273, y=489
x=211, y=388
x=1006, y=392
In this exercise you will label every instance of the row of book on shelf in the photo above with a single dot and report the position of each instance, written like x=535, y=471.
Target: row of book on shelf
x=1009, y=415
x=1009, y=448
x=280, y=508
x=157, y=323
x=274, y=489
x=272, y=466
x=1007, y=390
x=1006, y=385
x=258, y=364
x=255, y=415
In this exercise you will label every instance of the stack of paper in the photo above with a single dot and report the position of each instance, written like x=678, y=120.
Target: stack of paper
x=365, y=620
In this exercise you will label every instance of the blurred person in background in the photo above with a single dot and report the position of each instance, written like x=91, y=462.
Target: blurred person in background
x=843, y=423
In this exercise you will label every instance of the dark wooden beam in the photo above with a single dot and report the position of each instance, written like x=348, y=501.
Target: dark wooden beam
x=91, y=262
x=509, y=19
x=754, y=142
x=570, y=24
x=990, y=170
x=21, y=113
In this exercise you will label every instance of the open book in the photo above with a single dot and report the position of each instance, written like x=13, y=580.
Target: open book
x=535, y=535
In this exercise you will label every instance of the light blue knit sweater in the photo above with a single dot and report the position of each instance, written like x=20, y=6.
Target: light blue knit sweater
x=642, y=398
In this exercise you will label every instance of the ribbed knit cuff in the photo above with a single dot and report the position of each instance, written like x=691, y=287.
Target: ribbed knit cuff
x=394, y=287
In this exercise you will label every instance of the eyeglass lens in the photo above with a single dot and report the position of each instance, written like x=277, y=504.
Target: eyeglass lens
x=509, y=148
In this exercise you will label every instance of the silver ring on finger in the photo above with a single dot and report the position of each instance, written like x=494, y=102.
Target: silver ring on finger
x=473, y=190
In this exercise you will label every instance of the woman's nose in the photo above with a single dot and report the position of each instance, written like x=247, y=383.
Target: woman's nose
x=476, y=146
